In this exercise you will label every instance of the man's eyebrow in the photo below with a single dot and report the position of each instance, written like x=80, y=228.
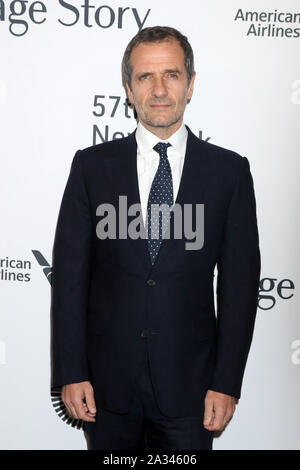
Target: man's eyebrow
x=139, y=74
x=172, y=71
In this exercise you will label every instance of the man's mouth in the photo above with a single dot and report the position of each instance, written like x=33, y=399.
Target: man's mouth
x=163, y=106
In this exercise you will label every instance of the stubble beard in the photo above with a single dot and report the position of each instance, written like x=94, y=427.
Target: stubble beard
x=159, y=122
x=162, y=124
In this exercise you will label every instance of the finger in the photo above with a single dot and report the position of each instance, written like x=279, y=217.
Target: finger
x=89, y=418
x=80, y=411
x=218, y=418
x=228, y=416
x=71, y=411
x=90, y=401
x=208, y=413
x=67, y=402
x=79, y=408
x=87, y=411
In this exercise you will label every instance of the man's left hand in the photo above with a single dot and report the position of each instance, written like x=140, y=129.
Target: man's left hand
x=219, y=409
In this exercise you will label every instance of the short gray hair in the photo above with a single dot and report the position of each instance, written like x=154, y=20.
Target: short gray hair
x=157, y=34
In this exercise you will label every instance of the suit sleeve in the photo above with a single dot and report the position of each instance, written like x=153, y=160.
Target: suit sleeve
x=237, y=286
x=70, y=282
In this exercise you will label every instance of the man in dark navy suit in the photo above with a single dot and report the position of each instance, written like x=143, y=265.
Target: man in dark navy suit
x=137, y=347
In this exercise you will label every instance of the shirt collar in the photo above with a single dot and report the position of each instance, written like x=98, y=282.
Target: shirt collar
x=146, y=140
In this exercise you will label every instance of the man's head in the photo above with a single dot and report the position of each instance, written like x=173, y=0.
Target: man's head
x=158, y=75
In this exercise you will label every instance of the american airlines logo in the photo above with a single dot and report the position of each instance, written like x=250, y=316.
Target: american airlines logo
x=47, y=270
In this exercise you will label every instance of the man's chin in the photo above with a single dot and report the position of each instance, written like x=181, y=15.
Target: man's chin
x=161, y=123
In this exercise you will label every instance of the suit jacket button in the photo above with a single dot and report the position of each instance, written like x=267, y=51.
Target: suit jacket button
x=151, y=282
x=144, y=334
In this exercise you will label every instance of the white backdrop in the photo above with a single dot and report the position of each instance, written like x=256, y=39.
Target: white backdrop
x=247, y=98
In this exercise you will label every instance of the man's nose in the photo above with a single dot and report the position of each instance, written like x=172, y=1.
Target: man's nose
x=159, y=88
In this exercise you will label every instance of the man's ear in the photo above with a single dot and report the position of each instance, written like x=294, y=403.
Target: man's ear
x=129, y=94
x=191, y=87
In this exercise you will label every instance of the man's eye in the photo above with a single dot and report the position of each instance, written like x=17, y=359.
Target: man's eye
x=143, y=77
x=173, y=75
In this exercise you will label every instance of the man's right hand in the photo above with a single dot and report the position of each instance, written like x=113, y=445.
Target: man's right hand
x=79, y=400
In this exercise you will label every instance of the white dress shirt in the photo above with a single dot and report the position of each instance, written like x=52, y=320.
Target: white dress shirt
x=148, y=160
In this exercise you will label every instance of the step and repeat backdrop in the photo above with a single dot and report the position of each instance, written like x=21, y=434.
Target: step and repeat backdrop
x=60, y=90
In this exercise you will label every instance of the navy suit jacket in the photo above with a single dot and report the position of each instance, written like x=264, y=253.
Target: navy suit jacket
x=111, y=307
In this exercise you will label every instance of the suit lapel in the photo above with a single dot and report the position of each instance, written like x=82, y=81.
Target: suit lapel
x=123, y=176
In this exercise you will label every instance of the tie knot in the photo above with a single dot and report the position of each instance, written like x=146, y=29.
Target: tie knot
x=161, y=148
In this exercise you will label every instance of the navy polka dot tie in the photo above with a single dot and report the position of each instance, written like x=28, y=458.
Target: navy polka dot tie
x=161, y=192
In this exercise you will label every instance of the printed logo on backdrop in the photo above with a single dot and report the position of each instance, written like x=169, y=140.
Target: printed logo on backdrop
x=56, y=399
x=15, y=270
x=271, y=24
x=271, y=290
x=295, y=357
x=22, y=15
x=295, y=95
